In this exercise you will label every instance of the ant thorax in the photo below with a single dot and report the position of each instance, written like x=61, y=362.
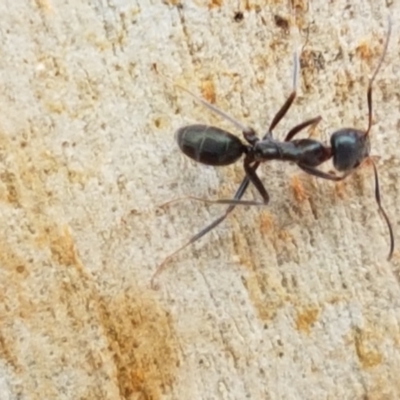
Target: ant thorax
x=309, y=151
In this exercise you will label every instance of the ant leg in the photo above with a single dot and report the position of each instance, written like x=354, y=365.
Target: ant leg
x=239, y=193
x=193, y=239
x=233, y=201
x=281, y=113
x=294, y=131
x=236, y=201
x=386, y=218
x=289, y=101
x=251, y=176
x=255, y=180
x=321, y=174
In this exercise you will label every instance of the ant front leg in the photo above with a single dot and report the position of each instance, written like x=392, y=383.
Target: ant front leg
x=298, y=128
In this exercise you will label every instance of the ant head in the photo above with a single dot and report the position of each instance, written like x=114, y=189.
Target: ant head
x=349, y=148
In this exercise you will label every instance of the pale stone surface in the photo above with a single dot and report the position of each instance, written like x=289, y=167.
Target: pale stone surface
x=294, y=301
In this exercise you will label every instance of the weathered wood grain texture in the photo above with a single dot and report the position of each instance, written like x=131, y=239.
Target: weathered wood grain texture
x=291, y=301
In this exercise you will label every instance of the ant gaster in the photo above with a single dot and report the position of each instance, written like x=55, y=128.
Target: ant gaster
x=209, y=145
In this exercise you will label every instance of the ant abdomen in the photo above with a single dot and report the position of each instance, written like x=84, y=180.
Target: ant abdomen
x=349, y=147
x=210, y=145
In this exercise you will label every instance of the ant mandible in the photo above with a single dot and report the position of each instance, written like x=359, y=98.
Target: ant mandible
x=210, y=145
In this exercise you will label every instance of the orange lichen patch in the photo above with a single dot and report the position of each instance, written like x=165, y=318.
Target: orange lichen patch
x=344, y=84
x=396, y=258
x=299, y=192
x=100, y=44
x=10, y=260
x=358, y=180
x=13, y=195
x=144, y=344
x=173, y=2
x=363, y=50
x=301, y=10
x=55, y=107
x=277, y=44
x=307, y=59
x=300, y=5
x=8, y=353
x=45, y=5
x=340, y=189
x=368, y=161
x=306, y=318
x=215, y=3
x=285, y=235
x=62, y=247
x=266, y=310
x=367, y=356
x=266, y=222
x=241, y=246
x=78, y=177
x=335, y=299
x=208, y=90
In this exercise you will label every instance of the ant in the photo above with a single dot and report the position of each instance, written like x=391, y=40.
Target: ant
x=349, y=148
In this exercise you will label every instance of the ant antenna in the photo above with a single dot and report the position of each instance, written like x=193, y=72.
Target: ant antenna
x=213, y=108
x=369, y=92
x=296, y=71
x=293, y=94
x=378, y=200
x=296, y=56
x=284, y=109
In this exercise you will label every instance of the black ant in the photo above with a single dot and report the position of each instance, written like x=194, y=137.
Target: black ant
x=213, y=146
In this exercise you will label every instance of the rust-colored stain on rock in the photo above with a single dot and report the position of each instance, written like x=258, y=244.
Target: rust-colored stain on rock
x=363, y=50
x=144, y=345
x=173, y=2
x=299, y=5
x=298, y=190
x=340, y=189
x=9, y=180
x=368, y=356
x=44, y=5
x=208, y=90
x=215, y=3
x=63, y=249
x=266, y=222
x=266, y=310
x=8, y=353
x=306, y=318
